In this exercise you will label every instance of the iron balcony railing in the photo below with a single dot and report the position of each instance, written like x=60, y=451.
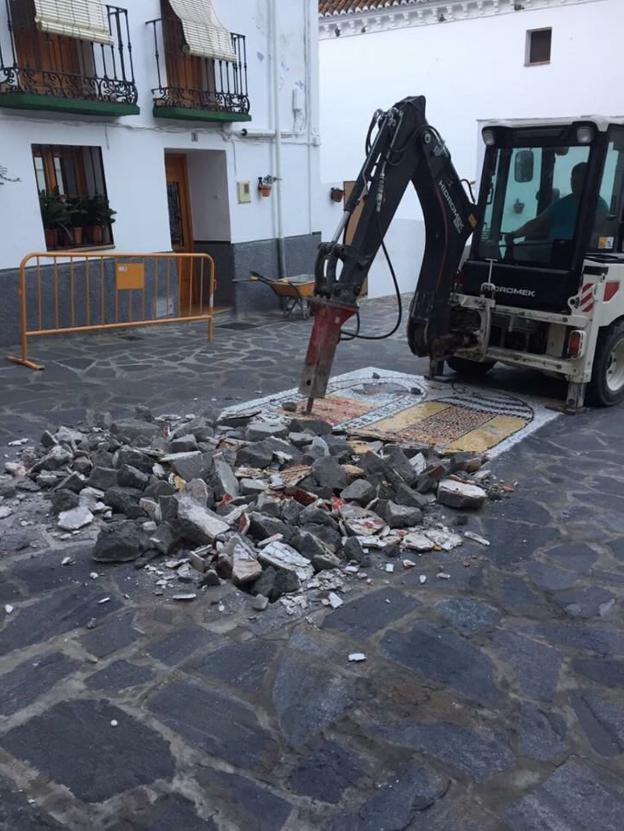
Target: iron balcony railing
x=63, y=67
x=191, y=82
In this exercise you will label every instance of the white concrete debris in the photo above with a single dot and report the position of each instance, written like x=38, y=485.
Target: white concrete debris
x=75, y=519
x=334, y=601
x=442, y=575
x=185, y=597
x=361, y=522
x=357, y=657
x=8, y=608
x=471, y=535
x=443, y=538
x=5, y=511
x=422, y=579
x=390, y=568
x=457, y=494
x=280, y=555
x=417, y=541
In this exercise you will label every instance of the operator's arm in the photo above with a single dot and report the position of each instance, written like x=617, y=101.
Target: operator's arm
x=539, y=225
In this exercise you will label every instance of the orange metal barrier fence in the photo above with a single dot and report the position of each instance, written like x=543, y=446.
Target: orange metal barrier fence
x=89, y=291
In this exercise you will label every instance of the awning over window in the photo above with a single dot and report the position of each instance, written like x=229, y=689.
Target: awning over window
x=205, y=36
x=82, y=19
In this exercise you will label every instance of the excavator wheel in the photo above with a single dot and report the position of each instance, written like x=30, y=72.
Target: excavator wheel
x=606, y=387
x=471, y=369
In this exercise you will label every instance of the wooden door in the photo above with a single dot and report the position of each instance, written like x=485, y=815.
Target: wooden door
x=180, y=225
x=353, y=223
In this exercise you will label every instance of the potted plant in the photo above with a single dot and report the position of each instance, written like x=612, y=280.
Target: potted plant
x=265, y=185
x=77, y=209
x=99, y=218
x=54, y=215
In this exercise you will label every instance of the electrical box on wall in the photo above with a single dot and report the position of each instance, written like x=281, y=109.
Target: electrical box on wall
x=244, y=192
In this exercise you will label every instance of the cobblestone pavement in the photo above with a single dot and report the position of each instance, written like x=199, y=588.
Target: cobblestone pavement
x=492, y=701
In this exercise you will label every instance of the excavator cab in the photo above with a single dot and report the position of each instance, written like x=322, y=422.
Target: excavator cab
x=559, y=183
x=543, y=285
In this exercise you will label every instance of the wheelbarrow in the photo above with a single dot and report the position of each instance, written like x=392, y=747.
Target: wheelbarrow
x=297, y=291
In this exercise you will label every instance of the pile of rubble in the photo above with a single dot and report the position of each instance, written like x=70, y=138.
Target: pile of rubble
x=276, y=505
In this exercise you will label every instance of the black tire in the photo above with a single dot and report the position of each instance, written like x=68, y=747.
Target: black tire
x=606, y=387
x=472, y=369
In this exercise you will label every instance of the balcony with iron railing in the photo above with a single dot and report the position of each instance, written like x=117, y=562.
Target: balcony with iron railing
x=197, y=88
x=40, y=70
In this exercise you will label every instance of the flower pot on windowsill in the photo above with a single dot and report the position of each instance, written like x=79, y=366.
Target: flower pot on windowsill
x=51, y=237
x=95, y=234
x=77, y=235
x=265, y=190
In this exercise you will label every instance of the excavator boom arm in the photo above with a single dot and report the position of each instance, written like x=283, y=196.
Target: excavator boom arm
x=405, y=149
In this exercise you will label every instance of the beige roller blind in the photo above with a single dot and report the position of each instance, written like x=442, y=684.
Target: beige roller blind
x=83, y=19
x=205, y=36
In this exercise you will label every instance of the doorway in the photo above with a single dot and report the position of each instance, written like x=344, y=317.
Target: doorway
x=181, y=225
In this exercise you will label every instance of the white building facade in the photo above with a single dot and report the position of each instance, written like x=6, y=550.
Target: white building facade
x=166, y=113
x=474, y=60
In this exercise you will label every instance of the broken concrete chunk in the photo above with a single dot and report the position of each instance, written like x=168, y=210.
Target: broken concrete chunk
x=252, y=487
x=102, y=478
x=471, y=535
x=198, y=490
x=163, y=538
x=134, y=430
x=400, y=516
x=282, y=556
x=184, y=444
x=301, y=439
x=328, y=473
x=311, y=425
x=325, y=562
x=127, y=455
x=63, y=500
x=260, y=603
x=69, y=436
x=361, y=522
x=360, y=491
x=262, y=526
x=5, y=511
x=125, y=501
x=48, y=440
x=118, y=542
x=460, y=494
x=416, y=541
x=198, y=524
x=255, y=455
x=245, y=567
x=56, y=458
x=419, y=463
x=210, y=578
x=431, y=476
x=317, y=449
x=151, y=508
x=223, y=479
x=75, y=518
x=260, y=430
x=191, y=465
x=74, y=482
x=131, y=477
x=400, y=464
x=443, y=538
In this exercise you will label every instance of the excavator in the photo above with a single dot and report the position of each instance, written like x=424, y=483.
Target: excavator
x=541, y=284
